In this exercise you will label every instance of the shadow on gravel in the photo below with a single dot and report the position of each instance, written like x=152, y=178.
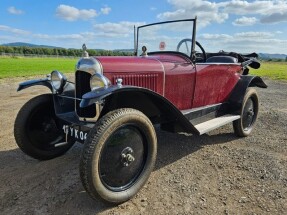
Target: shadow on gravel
x=30, y=186
x=54, y=186
x=173, y=147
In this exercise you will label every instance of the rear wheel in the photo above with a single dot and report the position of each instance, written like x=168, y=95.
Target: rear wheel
x=249, y=112
x=118, y=156
x=36, y=129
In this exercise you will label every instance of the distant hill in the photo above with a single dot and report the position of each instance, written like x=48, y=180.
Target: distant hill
x=19, y=44
x=272, y=56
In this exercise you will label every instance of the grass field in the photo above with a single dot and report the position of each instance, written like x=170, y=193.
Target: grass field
x=21, y=67
x=273, y=70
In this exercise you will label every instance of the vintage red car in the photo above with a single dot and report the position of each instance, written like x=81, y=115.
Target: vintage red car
x=115, y=102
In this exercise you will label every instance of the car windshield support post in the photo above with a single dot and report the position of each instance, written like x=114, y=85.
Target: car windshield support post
x=192, y=54
x=135, y=42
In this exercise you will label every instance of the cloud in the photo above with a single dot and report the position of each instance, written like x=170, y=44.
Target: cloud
x=218, y=12
x=215, y=36
x=255, y=7
x=106, y=10
x=270, y=11
x=252, y=34
x=206, y=11
x=245, y=7
x=59, y=37
x=66, y=40
x=70, y=13
x=245, y=21
x=92, y=39
x=153, y=8
x=15, y=11
x=243, y=42
x=110, y=29
x=275, y=18
x=13, y=30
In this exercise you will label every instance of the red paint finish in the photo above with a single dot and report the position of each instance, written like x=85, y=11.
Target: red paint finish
x=175, y=77
x=141, y=80
x=179, y=79
x=136, y=71
x=179, y=84
x=214, y=83
x=168, y=57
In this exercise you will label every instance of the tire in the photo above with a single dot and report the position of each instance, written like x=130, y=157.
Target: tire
x=36, y=131
x=106, y=170
x=248, y=114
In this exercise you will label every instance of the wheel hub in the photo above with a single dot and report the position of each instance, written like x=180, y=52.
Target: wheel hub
x=250, y=115
x=250, y=112
x=127, y=156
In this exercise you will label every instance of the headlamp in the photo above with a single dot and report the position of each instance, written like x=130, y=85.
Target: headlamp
x=58, y=80
x=98, y=81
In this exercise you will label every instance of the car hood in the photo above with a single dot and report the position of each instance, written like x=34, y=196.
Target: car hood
x=130, y=65
x=135, y=71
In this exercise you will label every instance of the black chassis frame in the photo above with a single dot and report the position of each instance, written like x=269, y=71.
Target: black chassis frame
x=157, y=108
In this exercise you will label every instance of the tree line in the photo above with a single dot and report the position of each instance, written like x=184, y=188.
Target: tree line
x=59, y=51
x=275, y=60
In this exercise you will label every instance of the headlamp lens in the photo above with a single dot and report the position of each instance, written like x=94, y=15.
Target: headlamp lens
x=58, y=80
x=98, y=81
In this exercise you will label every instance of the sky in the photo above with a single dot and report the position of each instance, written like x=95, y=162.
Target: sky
x=229, y=25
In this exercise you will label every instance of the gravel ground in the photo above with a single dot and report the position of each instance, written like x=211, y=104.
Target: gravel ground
x=216, y=173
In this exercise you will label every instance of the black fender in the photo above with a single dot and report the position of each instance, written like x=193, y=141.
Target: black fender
x=43, y=82
x=236, y=97
x=157, y=108
x=63, y=102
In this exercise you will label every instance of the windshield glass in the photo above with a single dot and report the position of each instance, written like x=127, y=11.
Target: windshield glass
x=168, y=36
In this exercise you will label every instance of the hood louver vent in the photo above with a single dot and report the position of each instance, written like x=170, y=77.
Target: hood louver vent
x=142, y=80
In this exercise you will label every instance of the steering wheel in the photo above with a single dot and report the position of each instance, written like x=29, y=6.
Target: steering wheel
x=199, y=56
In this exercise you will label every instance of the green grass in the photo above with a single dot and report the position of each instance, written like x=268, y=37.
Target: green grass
x=272, y=70
x=22, y=67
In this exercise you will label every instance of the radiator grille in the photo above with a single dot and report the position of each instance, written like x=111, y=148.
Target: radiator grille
x=141, y=80
x=82, y=87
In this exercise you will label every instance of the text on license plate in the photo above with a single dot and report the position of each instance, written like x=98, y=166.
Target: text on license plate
x=75, y=133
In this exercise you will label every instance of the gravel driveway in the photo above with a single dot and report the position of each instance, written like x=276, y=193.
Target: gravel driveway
x=216, y=173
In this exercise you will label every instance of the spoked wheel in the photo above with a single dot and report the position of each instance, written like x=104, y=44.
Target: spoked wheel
x=36, y=129
x=119, y=155
x=249, y=111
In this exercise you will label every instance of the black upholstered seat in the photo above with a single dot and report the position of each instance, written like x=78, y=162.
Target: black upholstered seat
x=222, y=59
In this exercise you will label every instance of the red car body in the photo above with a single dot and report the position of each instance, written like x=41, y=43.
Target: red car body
x=176, y=78
x=115, y=101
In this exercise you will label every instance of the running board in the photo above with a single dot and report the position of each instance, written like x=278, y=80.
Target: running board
x=215, y=123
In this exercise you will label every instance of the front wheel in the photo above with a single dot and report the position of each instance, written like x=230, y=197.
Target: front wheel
x=37, y=131
x=118, y=156
x=249, y=112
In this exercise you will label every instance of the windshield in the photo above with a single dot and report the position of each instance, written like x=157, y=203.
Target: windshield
x=173, y=36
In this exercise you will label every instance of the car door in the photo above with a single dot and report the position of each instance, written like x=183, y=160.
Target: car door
x=214, y=82
x=179, y=83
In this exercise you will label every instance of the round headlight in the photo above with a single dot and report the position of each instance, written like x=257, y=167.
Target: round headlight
x=58, y=80
x=98, y=81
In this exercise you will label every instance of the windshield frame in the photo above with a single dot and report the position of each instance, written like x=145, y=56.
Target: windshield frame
x=192, y=54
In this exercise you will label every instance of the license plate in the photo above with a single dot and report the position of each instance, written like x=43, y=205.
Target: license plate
x=76, y=133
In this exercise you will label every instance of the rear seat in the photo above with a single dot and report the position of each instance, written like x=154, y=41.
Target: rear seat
x=222, y=59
